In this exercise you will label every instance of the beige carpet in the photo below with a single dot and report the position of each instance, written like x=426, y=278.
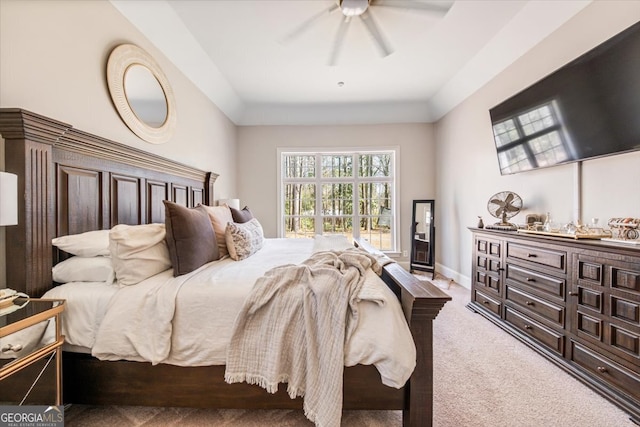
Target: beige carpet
x=482, y=377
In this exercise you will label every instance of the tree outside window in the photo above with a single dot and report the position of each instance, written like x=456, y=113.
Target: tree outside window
x=339, y=193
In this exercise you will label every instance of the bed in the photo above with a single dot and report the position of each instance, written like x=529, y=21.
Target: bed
x=75, y=182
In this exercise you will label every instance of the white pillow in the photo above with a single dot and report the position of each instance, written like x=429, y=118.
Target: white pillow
x=89, y=244
x=81, y=269
x=243, y=240
x=332, y=242
x=138, y=252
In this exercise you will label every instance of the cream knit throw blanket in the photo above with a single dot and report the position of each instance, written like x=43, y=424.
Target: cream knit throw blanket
x=293, y=327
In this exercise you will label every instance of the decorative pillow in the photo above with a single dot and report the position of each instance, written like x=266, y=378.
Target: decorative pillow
x=190, y=237
x=81, y=269
x=241, y=216
x=334, y=242
x=89, y=244
x=243, y=240
x=138, y=252
x=219, y=216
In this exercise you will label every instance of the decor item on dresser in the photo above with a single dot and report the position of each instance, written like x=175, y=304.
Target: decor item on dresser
x=504, y=205
x=141, y=93
x=535, y=221
x=576, y=302
x=91, y=184
x=625, y=230
x=569, y=230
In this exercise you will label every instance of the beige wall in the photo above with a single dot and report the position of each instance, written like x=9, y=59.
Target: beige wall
x=468, y=172
x=257, y=162
x=53, y=57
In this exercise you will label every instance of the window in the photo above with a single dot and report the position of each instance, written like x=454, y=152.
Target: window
x=531, y=139
x=339, y=193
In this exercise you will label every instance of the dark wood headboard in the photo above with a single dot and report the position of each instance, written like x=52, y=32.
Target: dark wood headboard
x=73, y=181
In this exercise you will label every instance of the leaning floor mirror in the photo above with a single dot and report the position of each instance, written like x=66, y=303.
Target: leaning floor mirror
x=423, y=237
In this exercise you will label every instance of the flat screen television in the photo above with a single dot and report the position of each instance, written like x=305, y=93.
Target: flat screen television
x=589, y=108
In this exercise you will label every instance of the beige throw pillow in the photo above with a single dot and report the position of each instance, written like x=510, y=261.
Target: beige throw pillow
x=220, y=216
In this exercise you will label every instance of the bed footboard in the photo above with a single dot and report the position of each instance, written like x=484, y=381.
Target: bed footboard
x=421, y=302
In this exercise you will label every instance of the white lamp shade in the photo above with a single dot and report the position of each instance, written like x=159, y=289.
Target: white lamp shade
x=232, y=203
x=8, y=198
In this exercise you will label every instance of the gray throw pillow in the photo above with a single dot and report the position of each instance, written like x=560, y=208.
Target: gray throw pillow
x=190, y=237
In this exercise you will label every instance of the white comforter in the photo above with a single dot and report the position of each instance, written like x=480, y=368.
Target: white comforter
x=188, y=320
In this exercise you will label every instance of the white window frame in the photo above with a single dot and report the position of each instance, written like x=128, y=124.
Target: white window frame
x=318, y=181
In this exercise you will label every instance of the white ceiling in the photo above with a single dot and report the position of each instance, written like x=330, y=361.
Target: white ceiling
x=233, y=51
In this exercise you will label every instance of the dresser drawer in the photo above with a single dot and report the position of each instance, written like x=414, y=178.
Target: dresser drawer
x=619, y=273
x=550, y=285
x=539, y=306
x=487, y=302
x=489, y=247
x=606, y=370
x=625, y=340
x=550, y=338
x=545, y=257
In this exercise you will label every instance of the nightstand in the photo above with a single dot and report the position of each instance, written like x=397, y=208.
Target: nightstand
x=31, y=312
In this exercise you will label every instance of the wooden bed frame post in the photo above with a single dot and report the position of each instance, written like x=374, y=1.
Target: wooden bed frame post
x=421, y=303
x=29, y=140
x=419, y=411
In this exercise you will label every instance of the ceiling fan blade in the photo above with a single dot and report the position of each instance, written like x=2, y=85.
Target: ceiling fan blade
x=337, y=43
x=438, y=7
x=308, y=23
x=381, y=43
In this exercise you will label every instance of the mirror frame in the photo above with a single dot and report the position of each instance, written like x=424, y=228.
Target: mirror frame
x=428, y=266
x=121, y=58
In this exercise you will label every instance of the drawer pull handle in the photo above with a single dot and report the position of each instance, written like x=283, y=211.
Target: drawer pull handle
x=528, y=327
x=528, y=303
x=573, y=294
x=532, y=255
x=530, y=279
x=601, y=369
x=485, y=302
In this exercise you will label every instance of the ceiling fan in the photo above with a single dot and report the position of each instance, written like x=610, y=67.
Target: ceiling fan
x=362, y=9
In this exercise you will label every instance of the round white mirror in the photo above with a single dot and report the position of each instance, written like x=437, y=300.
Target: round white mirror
x=145, y=95
x=141, y=93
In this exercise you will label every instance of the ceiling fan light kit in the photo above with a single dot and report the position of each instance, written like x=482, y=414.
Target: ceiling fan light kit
x=353, y=7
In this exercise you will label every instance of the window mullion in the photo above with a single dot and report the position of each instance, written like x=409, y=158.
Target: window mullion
x=356, y=196
x=318, y=185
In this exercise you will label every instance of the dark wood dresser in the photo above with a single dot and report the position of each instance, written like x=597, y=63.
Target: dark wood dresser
x=577, y=302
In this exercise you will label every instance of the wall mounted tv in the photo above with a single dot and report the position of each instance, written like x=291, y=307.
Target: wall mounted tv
x=589, y=108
